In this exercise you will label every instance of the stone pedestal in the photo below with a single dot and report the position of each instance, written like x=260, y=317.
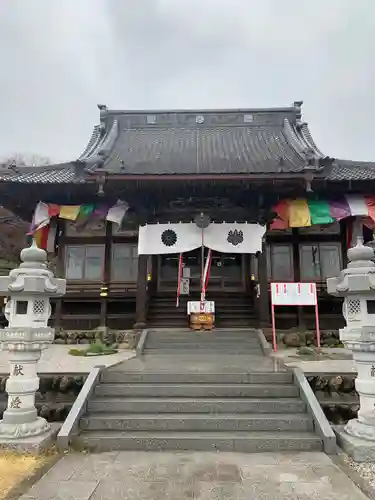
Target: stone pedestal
x=357, y=285
x=27, y=335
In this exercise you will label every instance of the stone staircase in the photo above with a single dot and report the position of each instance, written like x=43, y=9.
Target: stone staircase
x=198, y=398
x=232, y=310
x=215, y=342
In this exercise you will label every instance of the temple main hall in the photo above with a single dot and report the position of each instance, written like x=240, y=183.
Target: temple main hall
x=230, y=199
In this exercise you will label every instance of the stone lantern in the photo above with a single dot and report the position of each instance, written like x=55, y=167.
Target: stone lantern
x=357, y=285
x=29, y=288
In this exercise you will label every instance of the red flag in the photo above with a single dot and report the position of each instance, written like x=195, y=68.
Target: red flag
x=41, y=237
x=179, y=280
x=206, y=274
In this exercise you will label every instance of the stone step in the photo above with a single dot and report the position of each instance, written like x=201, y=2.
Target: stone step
x=208, y=336
x=197, y=422
x=204, y=345
x=202, y=351
x=198, y=390
x=196, y=405
x=109, y=376
x=177, y=344
x=248, y=442
x=205, y=336
x=225, y=306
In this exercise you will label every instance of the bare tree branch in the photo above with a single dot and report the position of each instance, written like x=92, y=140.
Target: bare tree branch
x=24, y=160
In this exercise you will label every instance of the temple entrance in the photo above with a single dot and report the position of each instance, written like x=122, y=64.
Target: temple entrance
x=229, y=285
x=228, y=272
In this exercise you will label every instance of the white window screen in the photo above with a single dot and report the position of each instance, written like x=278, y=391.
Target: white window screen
x=84, y=262
x=280, y=262
x=124, y=262
x=319, y=261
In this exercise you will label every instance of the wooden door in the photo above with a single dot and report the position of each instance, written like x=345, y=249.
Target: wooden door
x=228, y=271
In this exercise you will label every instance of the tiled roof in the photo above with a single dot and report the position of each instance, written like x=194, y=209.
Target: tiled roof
x=344, y=170
x=206, y=142
x=50, y=174
x=241, y=141
x=206, y=150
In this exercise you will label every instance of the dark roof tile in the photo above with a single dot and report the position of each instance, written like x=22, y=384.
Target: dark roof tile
x=50, y=174
x=343, y=170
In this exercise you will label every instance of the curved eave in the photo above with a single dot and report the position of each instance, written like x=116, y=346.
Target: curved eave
x=62, y=173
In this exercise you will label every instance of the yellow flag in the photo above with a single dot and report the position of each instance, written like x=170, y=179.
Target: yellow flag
x=299, y=213
x=69, y=212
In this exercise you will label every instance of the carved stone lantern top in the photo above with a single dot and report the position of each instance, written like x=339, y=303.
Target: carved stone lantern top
x=359, y=276
x=32, y=276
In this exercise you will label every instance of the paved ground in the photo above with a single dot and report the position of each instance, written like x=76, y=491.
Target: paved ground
x=56, y=359
x=201, y=363
x=195, y=476
x=332, y=360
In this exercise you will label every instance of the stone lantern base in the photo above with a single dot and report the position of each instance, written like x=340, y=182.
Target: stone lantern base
x=360, y=450
x=31, y=444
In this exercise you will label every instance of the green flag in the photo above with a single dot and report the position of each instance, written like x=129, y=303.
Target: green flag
x=319, y=212
x=85, y=210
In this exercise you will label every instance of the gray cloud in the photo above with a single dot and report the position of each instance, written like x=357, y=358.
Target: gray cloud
x=59, y=59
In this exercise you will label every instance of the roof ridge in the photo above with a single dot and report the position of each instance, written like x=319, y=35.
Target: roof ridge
x=281, y=109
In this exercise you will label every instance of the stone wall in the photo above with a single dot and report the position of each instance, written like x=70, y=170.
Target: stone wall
x=106, y=335
x=336, y=395
x=296, y=338
x=55, y=396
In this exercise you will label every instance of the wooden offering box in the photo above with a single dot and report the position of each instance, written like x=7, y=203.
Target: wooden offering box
x=201, y=317
x=199, y=321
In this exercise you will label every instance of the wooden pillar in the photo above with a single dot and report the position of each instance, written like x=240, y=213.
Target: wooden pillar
x=264, y=297
x=344, y=242
x=297, y=275
x=106, y=274
x=141, y=297
x=60, y=270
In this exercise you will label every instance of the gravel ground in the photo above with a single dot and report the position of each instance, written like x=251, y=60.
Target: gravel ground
x=366, y=471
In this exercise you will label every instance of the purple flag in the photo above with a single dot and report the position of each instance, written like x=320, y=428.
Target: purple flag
x=339, y=208
x=101, y=211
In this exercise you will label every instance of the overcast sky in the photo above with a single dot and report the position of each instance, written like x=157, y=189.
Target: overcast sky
x=61, y=58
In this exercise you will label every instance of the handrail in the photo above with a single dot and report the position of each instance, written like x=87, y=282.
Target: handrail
x=321, y=423
x=70, y=426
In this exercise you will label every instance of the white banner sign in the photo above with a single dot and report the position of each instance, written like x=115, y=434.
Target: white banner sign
x=185, y=286
x=156, y=239
x=194, y=307
x=293, y=294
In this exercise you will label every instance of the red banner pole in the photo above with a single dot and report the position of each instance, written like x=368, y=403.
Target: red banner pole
x=274, y=343
x=317, y=321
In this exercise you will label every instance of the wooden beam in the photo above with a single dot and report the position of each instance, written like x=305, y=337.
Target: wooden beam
x=195, y=177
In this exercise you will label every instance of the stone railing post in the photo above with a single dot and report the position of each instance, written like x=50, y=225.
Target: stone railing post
x=356, y=285
x=29, y=288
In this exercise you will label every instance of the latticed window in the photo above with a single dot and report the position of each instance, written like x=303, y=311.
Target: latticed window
x=353, y=308
x=38, y=307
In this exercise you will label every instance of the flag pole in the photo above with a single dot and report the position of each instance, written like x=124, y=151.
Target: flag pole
x=179, y=276
x=202, y=259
